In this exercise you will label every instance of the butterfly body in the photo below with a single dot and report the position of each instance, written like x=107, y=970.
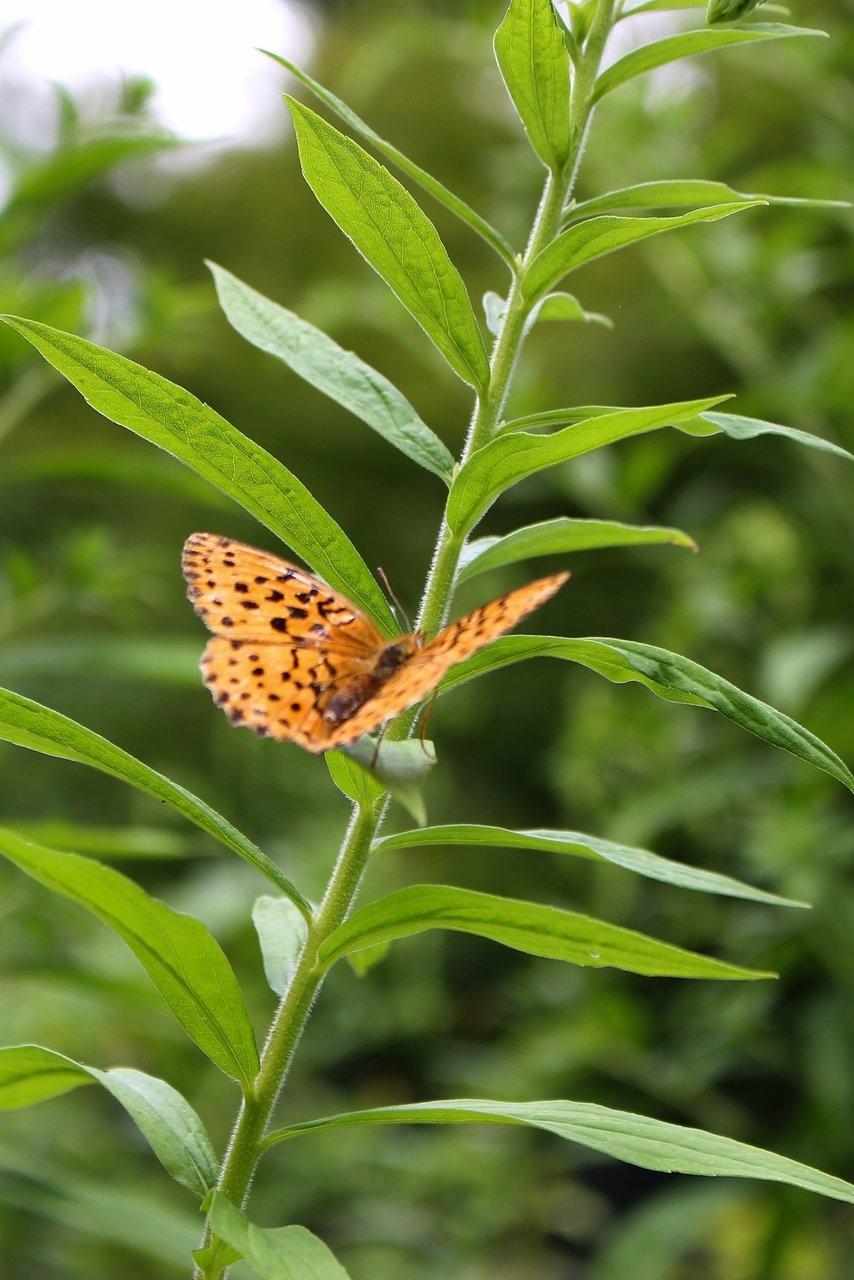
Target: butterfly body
x=295, y=660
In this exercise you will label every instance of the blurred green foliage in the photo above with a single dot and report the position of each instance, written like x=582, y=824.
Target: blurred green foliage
x=93, y=621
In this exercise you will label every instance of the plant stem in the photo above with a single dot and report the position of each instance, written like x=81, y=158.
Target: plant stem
x=243, y=1153
x=241, y=1159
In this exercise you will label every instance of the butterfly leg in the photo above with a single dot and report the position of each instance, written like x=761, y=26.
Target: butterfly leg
x=375, y=757
x=422, y=728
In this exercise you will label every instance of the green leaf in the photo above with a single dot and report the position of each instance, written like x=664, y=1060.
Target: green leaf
x=739, y=428
x=106, y=657
x=352, y=779
x=400, y=767
x=172, y=1127
x=339, y=374
x=640, y=861
x=29, y=1074
x=524, y=926
x=736, y=426
x=80, y=162
x=686, y=45
x=395, y=236
x=559, y=417
x=562, y=307
x=655, y=6
x=669, y=194
x=168, y=416
x=217, y=1254
x=554, y=307
x=494, y=310
x=431, y=185
x=275, y=1253
x=29, y=724
x=556, y=537
x=669, y=676
x=534, y=64
x=585, y=241
x=638, y=1140
x=361, y=962
x=513, y=457
x=144, y=843
x=84, y=465
x=677, y=679
x=282, y=931
x=577, y=19
x=183, y=960
x=729, y=10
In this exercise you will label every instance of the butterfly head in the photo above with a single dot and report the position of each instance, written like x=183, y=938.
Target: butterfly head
x=394, y=655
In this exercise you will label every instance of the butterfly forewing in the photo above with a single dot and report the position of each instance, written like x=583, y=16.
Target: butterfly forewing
x=425, y=669
x=246, y=594
x=295, y=660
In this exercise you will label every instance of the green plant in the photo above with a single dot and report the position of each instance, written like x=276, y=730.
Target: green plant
x=554, y=79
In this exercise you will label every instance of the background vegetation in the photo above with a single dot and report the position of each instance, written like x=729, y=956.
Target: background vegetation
x=93, y=621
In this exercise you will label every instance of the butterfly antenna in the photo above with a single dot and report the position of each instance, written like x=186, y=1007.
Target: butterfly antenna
x=390, y=593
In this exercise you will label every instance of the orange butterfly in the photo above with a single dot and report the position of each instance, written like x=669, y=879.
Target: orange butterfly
x=295, y=660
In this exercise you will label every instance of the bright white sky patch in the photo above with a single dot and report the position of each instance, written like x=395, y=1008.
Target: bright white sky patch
x=211, y=81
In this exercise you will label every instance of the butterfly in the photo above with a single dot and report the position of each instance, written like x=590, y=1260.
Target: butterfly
x=294, y=660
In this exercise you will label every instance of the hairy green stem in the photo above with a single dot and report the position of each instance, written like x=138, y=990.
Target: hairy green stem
x=241, y=1159
x=244, y=1149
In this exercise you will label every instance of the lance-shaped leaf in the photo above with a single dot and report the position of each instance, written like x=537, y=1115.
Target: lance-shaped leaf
x=524, y=926
x=29, y=724
x=554, y=307
x=352, y=780
x=183, y=960
x=400, y=767
x=100, y=841
x=561, y=417
x=83, y=465
x=640, y=861
x=534, y=64
x=560, y=307
x=654, y=6
x=740, y=428
x=675, y=192
x=274, y=1253
x=79, y=162
x=556, y=537
x=585, y=241
x=282, y=932
x=431, y=185
x=494, y=311
x=514, y=456
x=669, y=676
x=129, y=657
x=729, y=10
x=734, y=425
x=686, y=45
x=638, y=1140
x=30, y=1074
x=173, y=419
x=339, y=374
x=395, y=236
